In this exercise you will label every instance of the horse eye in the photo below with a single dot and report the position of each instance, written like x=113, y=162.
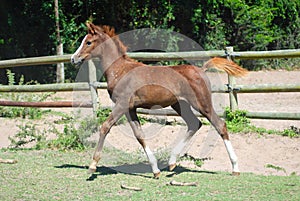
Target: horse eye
x=88, y=43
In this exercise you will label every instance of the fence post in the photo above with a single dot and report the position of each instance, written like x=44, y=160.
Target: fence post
x=93, y=88
x=231, y=84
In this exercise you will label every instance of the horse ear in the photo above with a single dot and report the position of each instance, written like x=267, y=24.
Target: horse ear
x=91, y=28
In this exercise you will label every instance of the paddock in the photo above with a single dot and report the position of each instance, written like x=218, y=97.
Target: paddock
x=285, y=151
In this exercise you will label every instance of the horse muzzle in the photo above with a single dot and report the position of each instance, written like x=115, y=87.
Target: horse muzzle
x=76, y=61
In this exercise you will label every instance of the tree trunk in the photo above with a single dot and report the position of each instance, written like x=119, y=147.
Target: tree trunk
x=60, y=73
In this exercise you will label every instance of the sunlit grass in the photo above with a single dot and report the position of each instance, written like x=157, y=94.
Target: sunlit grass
x=54, y=175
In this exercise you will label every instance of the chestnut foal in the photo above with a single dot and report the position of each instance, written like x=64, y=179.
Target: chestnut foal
x=133, y=85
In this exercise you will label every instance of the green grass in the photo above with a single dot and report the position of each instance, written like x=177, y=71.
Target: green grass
x=237, y=122
x=55, y=175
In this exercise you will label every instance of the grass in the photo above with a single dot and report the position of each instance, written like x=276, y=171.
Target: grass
x=56, y=175
x=237, y=122
x=275, y=167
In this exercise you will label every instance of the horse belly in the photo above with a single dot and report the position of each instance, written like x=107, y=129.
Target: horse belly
x=153, y=96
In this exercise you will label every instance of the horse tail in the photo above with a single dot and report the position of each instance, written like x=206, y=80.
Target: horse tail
x=225, y=65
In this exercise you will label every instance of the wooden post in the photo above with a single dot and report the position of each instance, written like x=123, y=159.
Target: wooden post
x=93, y=88
x=60, y=72
x=231, y=84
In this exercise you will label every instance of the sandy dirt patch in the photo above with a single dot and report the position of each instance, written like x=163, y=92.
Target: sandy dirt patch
x=254, y=152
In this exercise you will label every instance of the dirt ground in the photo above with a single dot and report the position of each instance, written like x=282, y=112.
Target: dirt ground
x=254, y=152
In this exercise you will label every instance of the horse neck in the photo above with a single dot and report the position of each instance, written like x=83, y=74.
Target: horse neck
x=110, y=54
x=113, y=64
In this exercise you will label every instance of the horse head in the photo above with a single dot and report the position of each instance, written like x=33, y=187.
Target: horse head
x=91, y=44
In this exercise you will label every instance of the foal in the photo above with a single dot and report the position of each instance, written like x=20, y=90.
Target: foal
x=133, y=85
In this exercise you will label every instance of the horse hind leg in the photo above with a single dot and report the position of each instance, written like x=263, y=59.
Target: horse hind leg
x=220, y=126
x=193, y=123
x=203, y=103
x=139, y=134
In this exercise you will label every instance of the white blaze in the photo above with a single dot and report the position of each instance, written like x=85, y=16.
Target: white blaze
x=78, y=50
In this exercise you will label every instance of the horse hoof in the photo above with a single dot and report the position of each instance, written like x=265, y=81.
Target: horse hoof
x=172, y=167
x=156, y=175
x=92, y=170
x=236, y=173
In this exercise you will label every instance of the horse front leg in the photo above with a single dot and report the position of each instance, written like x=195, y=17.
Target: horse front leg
x=139, y=134
x=115, y=115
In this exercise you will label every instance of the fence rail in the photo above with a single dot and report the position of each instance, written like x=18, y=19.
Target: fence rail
x=159, y=56
x=93, y=85
x=46, y=104
x=83, y=86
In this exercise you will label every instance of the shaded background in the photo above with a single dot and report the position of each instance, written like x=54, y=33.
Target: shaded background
x=27, y=27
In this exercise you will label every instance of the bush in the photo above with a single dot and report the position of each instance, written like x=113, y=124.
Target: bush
x=237, y=122
x=24, y=112
x=28, y=134
x=67, y=140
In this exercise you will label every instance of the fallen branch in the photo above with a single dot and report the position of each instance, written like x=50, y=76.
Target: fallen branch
x=8, y=161
x=176, y=183
x=123, y=186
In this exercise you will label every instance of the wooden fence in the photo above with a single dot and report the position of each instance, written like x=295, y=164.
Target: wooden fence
x=93, y=84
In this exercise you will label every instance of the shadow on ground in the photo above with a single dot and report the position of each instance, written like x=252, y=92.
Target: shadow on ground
x=138, y=169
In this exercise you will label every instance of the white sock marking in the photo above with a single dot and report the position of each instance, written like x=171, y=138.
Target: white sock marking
x=180, y=146
x=232, y=156
x=152, y=160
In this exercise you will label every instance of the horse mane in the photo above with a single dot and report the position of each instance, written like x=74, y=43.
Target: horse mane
x=110, y=31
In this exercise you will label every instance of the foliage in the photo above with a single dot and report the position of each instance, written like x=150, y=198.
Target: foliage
x=210, y=29
x=198, y=162
x=24, y=112
x=237, y=122
x=28, y=27
x=291, y=132
x=73, y=136
x=248, y=25
x=151, y=14
x=26, y=135
x=275, y=167
x=69, y=139
x=103, y=113
x=157, y=17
